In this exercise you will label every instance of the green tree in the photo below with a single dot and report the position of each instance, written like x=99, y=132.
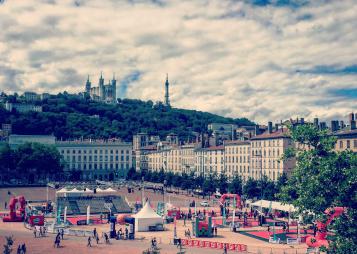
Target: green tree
x=209, y=185
x=267, y=188
x=222, y=183
x=235, y=186
x=324, y=178
x=131, y=175
x=281, y=182
x=251, y=189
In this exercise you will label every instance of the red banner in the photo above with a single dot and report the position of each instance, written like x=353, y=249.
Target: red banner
x=214, y=245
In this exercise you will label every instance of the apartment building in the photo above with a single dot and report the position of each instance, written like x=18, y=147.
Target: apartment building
x=267, y=150
x=102, y=160
x=237, y=159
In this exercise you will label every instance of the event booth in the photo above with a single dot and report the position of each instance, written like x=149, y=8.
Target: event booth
x=147, y=219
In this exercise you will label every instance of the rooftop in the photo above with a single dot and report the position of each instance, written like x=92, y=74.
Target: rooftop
x=281, y=133
x=212, y=148
x=345, y=132
x=236, y=142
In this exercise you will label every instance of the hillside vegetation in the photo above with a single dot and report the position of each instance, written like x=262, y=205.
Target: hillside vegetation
x=70, y=116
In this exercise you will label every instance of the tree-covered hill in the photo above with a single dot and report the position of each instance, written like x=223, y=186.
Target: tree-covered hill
x=70, y=116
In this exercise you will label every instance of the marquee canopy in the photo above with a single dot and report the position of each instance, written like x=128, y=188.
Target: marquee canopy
x=274, y=205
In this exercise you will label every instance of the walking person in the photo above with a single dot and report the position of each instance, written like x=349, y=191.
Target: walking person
x=35, y=232
x=19, y=250
x=62, y=233
x=97, y=239
x=57, y=242
x=315, y=230
x=94, y=232
x=225, y=249
x=106, y=238
x=89, y=242
x=23, y=248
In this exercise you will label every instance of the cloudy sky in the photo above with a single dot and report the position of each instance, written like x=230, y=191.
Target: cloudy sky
x=260, y=59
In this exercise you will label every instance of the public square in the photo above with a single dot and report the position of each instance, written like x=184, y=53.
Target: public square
x=142, y=239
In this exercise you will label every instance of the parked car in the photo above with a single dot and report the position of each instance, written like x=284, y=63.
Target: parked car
x=204, y=203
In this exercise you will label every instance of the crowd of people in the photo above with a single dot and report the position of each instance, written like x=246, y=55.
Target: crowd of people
x=95, y=236
x=21, y=249
x=39, y=231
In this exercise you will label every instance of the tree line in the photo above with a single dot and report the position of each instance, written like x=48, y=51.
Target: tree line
x=72, y=116
x=30, y=163
x=259, y=189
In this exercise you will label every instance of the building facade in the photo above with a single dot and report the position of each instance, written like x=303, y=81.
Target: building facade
x=210, y=161
x=22, y=107
x=267, y=150
x=237, y=159
x=97, y=160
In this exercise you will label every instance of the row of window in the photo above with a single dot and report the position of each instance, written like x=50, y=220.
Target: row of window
x=269, y=143
x=95, y=151
x=240, y=159
x=95, y=158
x=98, y=166
x=266, y=163
x=348, y=144
x=236, y=150
x=266, y=152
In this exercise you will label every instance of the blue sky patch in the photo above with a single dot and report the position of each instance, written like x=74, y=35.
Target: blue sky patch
x=126, y=81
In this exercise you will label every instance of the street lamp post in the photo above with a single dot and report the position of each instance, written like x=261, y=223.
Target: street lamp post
x=163, y=192
x=261, y=177
x=142, y=191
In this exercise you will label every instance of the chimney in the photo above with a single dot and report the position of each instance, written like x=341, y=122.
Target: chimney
x=352, y=121
x=276, y=127
x=256, y=130
x=270, y=127
x=351, y=117
x=334, y=125
x=234, y=134
x=342, y=125
x=316, y=122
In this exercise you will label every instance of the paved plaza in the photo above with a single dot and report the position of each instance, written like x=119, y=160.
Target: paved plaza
x=73, y=244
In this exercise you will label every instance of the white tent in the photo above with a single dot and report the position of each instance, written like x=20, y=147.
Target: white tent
x=274, y=205
x=99, y=190
x=75, y=190
x=63, y=190
x=145, y=218
x=110, y=190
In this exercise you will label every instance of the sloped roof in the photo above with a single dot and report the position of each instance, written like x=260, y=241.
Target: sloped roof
x=274, y=205
x=281, y=133
x=147, y=213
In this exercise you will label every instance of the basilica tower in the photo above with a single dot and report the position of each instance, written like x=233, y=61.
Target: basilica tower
x=167, y=99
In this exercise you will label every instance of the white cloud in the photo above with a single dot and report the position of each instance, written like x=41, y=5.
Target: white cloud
x=226, y=57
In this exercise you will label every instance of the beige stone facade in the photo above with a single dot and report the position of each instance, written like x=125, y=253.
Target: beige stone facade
x=266, y=155
x=237, y=159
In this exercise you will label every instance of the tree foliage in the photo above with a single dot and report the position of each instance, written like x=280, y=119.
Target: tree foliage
x=236, y=185
x=30, y=162
x=70, y=116
x=324, y=178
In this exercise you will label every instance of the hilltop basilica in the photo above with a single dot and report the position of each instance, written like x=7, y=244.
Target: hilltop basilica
x=105, y=93
x=108, y=93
